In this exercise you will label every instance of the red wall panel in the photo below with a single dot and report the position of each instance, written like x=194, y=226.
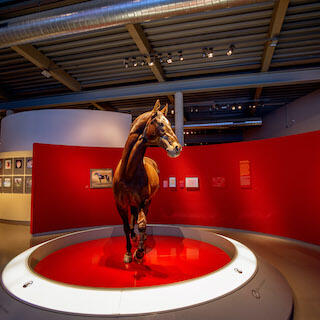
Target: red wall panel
x=283, y=198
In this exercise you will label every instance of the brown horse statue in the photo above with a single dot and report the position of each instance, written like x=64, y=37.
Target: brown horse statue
x=136, y=178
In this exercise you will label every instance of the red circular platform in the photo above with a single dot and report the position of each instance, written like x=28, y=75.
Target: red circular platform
x=99, y=263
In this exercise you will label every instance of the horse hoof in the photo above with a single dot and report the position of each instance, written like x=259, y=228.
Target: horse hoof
x=138, y=255
x=127, y=258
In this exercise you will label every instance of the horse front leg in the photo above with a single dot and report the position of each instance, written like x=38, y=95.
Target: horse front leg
x=142, y=226
x=133, y=221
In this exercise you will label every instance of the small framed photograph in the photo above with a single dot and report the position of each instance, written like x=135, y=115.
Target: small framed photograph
x=7, y=184
x=29, y=164
x=192, y=182
x=101, y=178
x=28, y=184
x=219, y=182
x=165, y=184
x=7, y=166
x=18, y=183
x=172, y=182
x=18, y=167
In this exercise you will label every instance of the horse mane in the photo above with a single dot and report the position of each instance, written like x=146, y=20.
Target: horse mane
x=139, y=123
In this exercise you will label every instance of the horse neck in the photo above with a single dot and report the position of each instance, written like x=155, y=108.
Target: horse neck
x=132, y=157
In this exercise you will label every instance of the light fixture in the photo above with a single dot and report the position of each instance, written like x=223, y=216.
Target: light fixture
x=134, y=61
x=233, y=108
x=180, y=55
x=254, y=106
x=46, y=73
x=239, y=107
x=210, y=53
x=126, y=63
x=273, y=42
x=204, y=52
x=169, y=58
x=172, y=111
x=230, y=50
x=160, y=57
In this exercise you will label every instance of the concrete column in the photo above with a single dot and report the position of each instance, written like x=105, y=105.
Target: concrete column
x=178, y=100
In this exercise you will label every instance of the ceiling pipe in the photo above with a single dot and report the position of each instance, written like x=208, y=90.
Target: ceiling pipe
x=100, y=14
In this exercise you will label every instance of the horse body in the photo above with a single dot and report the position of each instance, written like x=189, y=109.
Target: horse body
x=136, y=178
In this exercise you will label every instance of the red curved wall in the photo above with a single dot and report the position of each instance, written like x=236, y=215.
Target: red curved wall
x=284, y=198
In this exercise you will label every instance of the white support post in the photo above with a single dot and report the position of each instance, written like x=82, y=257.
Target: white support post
x=178, y=100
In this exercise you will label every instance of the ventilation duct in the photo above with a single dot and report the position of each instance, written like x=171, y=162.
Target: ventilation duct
x=100, y=14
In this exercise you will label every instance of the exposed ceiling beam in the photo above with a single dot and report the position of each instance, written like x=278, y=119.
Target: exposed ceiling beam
x=278, y=15
x=214, y=83
x=137, y=34
x=36, y=57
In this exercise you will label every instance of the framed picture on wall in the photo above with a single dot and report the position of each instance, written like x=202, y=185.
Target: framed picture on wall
x=18, y=184
x=7, y=169
x=7, y=184
x=101, y=178
x=28, y=184
x=192, y=182
x=18, y=165
x=28, y=165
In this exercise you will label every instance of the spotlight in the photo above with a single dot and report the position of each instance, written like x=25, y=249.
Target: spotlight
x=142, y=63
x=197, y=110
x=210, y=53
x=239, y=107
x=169, y=58
x=254, y=106
x=134, y=61
x=160, y=57
x=233, y=108
x=204, y=52
x=172, y=111
x=46, y=73
x=273, y=42
x=180, y=55
x=150, y=60
x=126, y=63
x=191, y=110
x=230, y=50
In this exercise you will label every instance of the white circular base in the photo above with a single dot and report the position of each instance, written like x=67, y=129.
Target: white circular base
x=22, y=282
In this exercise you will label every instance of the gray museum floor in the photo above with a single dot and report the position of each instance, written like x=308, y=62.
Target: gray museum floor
x=298, y=262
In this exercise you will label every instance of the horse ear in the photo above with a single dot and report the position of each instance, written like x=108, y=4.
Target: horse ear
x=165, y=110
x=156, y=106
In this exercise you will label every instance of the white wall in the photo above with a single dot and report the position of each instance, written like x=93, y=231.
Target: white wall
x=299, y=116
x=66, y=127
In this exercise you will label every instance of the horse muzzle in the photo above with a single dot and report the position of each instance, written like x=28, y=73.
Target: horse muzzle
x=174, y=150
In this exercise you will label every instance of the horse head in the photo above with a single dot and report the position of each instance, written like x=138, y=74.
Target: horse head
x=158, y=131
